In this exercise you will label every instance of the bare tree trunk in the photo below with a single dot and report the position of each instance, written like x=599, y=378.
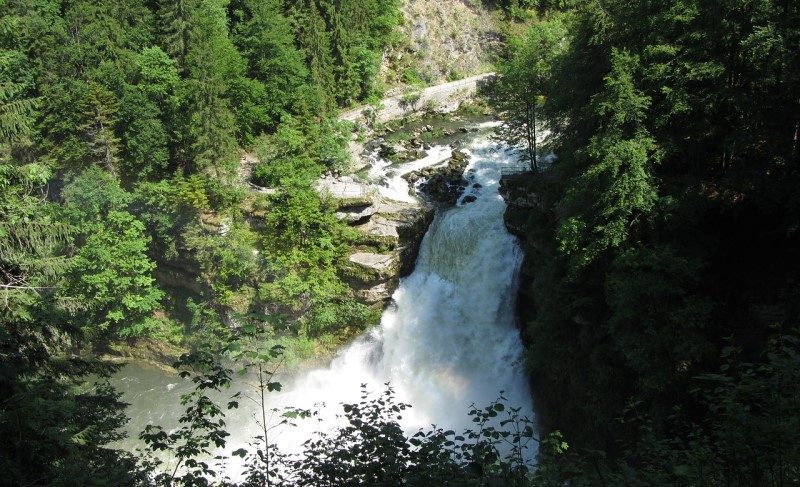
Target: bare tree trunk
x=530, y=134
x=262, y=385
x=533, y=119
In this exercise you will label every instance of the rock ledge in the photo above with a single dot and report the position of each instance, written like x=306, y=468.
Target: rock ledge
x=389, y=236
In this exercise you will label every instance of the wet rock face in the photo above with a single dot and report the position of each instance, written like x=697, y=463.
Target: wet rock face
x=371, y=275
x=411, y=228
x=520, y=199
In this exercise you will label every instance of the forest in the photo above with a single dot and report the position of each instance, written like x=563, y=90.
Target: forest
x=660, y=297
x=663, y=315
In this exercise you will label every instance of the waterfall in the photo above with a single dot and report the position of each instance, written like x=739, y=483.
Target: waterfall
x=449, y=339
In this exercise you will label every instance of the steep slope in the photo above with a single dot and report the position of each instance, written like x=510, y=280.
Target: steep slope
x=443, y=40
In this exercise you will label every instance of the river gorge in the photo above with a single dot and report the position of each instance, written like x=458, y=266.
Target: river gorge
x=448, y=338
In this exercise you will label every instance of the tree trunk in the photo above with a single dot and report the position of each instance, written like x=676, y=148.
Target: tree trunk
x=533, y=120
x=530, y=134
x=795, y=156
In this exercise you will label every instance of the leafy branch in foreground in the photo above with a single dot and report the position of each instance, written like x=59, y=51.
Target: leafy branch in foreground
x=260, y=362
x=369, y=448
x=202, y=425
x=372, y=448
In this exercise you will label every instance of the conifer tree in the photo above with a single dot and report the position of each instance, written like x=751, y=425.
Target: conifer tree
x=212, y=65
x=267, y=42
x=175, y=24
x=314, y=40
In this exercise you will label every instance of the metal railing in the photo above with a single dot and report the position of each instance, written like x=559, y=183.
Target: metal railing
x=515, y=169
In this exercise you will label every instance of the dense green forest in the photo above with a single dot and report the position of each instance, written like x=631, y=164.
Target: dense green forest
x=121, y=125
x=662, y=316
x=661, y=313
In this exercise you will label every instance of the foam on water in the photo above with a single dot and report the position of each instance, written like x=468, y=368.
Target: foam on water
x=389, y=177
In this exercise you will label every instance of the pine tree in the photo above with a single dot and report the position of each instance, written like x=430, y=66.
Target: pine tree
x=145, y=109
x=212, y=64
x=616, y=189
x=16, y=113
x=99, y=114
x=314, y=40
x=347, y=89
x=267, y=42
x=175, y=24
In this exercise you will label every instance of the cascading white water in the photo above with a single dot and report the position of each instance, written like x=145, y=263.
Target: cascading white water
x=390, y=179
x=449, y=340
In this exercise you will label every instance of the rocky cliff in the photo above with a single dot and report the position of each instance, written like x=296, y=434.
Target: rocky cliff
x=389, y=234
x=443, y=40
x=517, y=191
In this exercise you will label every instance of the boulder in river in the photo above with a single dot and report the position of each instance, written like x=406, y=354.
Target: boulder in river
x=385, y=150
x=460, y=157
x=444, y=184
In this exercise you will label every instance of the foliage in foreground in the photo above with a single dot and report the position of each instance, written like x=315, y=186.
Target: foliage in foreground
x=752, y=438
x=370, y=449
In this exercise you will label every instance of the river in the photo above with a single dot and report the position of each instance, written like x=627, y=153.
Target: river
x=448, y=339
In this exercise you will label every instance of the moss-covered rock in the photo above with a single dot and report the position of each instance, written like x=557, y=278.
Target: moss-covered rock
x=384, y=248
x=372, y=276
x=157, y=353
